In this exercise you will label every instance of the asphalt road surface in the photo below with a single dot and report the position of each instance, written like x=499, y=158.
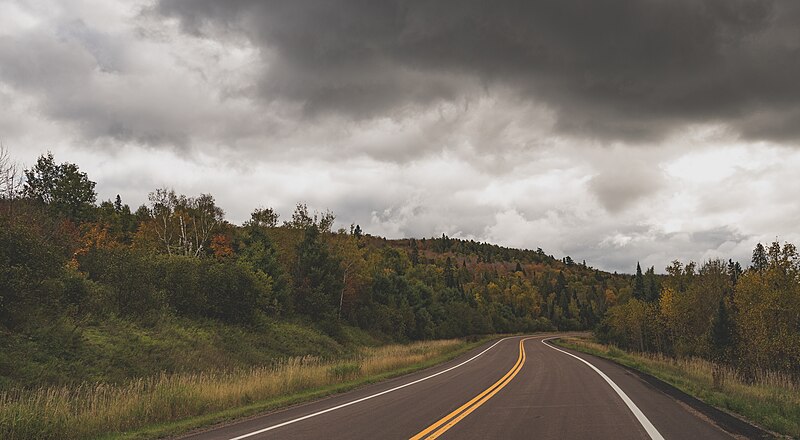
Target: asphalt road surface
x=515, y=388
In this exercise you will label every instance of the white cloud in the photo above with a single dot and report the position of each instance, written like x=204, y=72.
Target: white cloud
x=138, y=104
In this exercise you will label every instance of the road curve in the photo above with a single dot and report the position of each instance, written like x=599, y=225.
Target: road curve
x=519, y=387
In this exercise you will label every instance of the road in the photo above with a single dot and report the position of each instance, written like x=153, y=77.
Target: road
x=515, y=388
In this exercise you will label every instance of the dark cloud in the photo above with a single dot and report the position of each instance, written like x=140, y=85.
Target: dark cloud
x=626, y=69
x=619, y=188
x=496, y=121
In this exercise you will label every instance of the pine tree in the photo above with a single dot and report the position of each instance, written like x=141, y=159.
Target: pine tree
x=449, y=273
x=652, y=289
x=257, y=250
x=414, y=253
x=317, y=278
x=759, y=258
x=638, y=284
x=721, y=339
x=734, y=271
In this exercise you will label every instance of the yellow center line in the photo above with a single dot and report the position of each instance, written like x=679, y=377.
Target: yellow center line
x=464, y=410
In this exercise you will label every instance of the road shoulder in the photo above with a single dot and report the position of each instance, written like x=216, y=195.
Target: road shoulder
x=726, y=421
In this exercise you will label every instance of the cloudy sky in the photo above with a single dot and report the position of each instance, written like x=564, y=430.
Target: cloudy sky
x=615, y=131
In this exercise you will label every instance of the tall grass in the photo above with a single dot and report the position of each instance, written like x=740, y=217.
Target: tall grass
x=90, y=410
x=772, y=400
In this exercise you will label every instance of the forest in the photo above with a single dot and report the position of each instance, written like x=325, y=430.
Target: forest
x=71, y=267
x=748, y=320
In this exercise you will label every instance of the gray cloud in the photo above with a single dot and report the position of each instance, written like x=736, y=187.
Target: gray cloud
x=70, y=71
x=626, y=183
x=610, y=131
x=624, y=69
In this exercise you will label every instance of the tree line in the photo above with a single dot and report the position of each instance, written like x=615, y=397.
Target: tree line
x=65, y=255
x=748, y=319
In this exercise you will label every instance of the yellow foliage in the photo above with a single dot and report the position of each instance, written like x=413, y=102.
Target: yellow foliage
x=611, y=297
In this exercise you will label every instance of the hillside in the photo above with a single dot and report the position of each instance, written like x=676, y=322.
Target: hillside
x=94, y=292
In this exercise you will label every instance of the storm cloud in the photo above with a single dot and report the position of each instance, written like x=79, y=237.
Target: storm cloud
x=620, y=69
x=614, y=132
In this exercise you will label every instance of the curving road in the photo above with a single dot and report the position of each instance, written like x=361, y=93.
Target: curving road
x=515, y=388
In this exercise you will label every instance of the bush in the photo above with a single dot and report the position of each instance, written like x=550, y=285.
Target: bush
x=30, y=267
x=223, y=290
x=129, y=274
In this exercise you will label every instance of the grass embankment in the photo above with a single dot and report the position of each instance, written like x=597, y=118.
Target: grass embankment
x=115, y=350
x=772, y=402
x=171, y=403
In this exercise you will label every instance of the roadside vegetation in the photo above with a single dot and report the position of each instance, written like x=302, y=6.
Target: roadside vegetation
x=94, y=410
x=747, y=321
x=102, y=301
x=772, y=400
x=100, y=296
x=725, y=334
x=100, y=292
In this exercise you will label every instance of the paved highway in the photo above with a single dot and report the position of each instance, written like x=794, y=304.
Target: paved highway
x=515, y=388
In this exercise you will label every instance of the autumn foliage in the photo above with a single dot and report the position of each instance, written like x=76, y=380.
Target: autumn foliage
x=745, y=319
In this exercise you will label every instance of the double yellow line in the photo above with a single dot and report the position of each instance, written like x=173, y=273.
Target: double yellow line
x=448, y=421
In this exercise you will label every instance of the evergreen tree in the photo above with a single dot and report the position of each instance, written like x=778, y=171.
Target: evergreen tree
x=721, y=337
x=735, y=271
x=638, y=284
x=652, y=289
x=759, y=258
x=414, y=253
x=257, y=250
x=317, y=278
x=449, y=274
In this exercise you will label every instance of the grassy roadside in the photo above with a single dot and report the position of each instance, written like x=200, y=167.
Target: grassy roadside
x=170, y=404
x=773, y=402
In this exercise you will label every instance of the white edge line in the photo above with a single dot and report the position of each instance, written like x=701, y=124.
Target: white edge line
x=353, y=402
x=651, y=430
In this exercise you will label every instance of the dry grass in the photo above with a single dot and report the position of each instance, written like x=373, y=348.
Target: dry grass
x=89, y=410
x=773, y=400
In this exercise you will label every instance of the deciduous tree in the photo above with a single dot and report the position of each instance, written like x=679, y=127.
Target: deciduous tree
x=62, y=187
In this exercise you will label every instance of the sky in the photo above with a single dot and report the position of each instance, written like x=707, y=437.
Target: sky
x=615, y=132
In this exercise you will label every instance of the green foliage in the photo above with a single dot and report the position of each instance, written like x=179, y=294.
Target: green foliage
x=182, y=225
x=302, y=219
x=63, y=188
x=345, y=371
x=722, y=334
x=638, y=284
x=768, y=315
x=82, y=267
x=119, y=220
x=30, y=267
x=317, y=278
x=746, y=319
x=116, y=349
x=264, y=218
x=129, y=276
x=759, y=258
